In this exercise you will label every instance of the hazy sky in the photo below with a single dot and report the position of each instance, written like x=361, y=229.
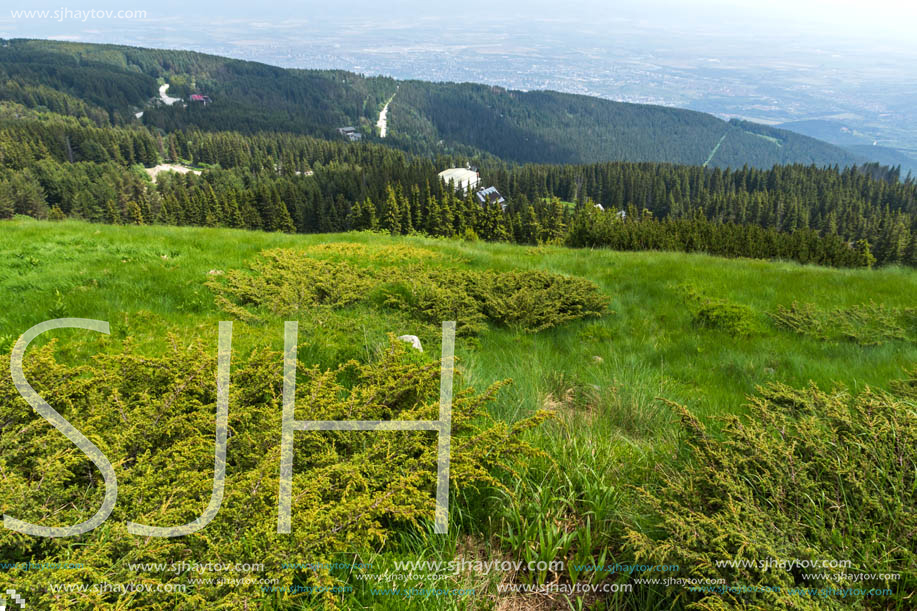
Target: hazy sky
x=764, y=60
x=873, y=20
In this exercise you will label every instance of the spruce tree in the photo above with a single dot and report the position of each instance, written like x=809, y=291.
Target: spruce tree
x=133, y=213
x=404, y=207
x=391, y=215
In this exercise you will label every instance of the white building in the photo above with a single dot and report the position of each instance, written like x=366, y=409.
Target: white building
x=462, y=178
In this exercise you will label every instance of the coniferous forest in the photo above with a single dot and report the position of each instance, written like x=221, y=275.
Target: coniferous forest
x=56, y=166
x=72, y=146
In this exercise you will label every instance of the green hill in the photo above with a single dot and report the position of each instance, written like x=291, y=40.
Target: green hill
x=552, y=127
x=858, y=143
x=112, y=83
x=694, y=330
x=888, y=156
x=247, y=96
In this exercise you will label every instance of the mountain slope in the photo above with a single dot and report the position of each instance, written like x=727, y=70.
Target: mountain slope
x=887, y=156
x=247, y=96
x=859, y=143
x=552, y=127
x=109, y=83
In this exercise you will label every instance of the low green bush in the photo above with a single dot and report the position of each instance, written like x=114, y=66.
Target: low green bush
x=734, y=318
x=282, y=284
x=809, y=476
x=868, y=324
x=288, y=283
x=730, y=317
x=154, y=419
x=535, y=300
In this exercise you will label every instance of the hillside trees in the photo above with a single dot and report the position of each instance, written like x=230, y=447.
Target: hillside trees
x=288, y=182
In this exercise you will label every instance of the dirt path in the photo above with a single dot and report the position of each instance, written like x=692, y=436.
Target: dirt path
x=382, y=123
x=168, y=101
x=169, y=167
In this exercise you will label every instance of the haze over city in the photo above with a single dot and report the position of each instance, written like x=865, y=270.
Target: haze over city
x=847, y=63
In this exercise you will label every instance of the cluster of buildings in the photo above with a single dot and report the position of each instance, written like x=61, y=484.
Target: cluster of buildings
x=468, y=178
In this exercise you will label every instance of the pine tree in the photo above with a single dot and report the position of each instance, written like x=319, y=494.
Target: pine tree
x=133, y=213
x=416, y=206
x=431, y=226
x=112, y=214
x=404, y=206
x=7, y=207
x=284, y=220
x=164, y=216
x=355, y=217
x=910, y=255
x=530, y=226
x=370, y=218
x=233, y=214
x=864, y=253
x=391, y=213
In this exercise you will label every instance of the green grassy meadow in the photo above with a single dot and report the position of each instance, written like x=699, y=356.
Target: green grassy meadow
x=610, y=380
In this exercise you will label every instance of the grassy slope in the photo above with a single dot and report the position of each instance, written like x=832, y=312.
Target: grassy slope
x=147, y=281
x=157, y=274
